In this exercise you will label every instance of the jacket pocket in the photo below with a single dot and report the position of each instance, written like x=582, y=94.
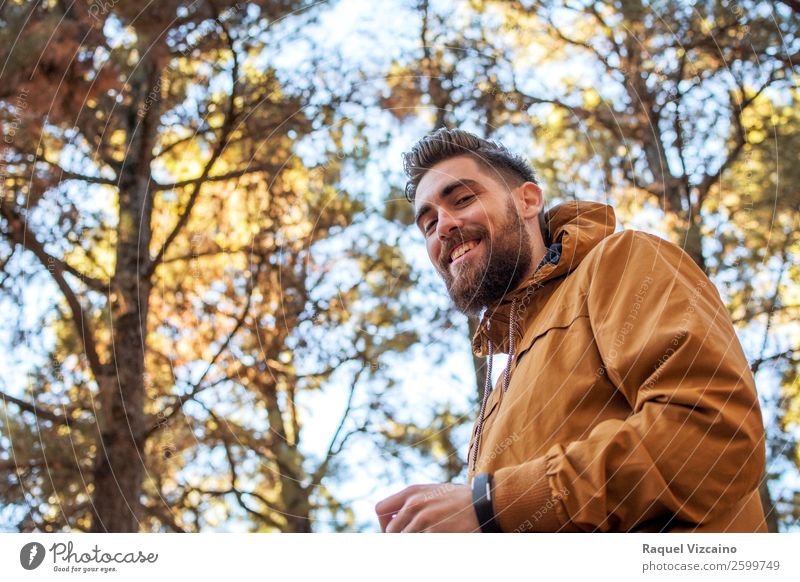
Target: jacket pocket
x=541, y=329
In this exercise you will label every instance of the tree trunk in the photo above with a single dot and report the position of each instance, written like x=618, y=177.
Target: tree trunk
x=770, y=512
x=119, y=464
x=298, y=510
x=693, y=242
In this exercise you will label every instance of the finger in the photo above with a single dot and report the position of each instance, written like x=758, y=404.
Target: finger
x=385, y=517
x=401, y=520
x=384, y=520
x=391, y=505
x=407, y=513
x=417, y=525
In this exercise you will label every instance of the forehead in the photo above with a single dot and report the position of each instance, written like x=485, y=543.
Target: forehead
x=444, y=173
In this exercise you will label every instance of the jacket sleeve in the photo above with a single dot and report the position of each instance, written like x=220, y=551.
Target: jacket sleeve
x=694, y=442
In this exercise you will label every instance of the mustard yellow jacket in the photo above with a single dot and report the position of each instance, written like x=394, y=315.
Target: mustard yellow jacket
x=630, y=405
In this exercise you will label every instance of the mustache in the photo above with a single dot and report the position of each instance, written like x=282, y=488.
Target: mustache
x=463, y=235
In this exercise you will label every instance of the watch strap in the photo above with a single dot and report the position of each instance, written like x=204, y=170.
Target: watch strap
x=483, y=504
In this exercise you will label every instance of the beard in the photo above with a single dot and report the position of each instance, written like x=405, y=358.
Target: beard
x=480, y=282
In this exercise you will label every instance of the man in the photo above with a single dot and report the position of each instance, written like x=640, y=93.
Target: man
x=626, y=403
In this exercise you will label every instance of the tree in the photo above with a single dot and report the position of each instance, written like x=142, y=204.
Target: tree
x=180, y=240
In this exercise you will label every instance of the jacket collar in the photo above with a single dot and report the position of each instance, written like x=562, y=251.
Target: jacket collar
x=576, y=226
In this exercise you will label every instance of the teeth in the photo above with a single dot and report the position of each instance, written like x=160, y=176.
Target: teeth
x=462, y=249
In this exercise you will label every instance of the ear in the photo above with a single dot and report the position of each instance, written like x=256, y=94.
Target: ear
x=531, y=200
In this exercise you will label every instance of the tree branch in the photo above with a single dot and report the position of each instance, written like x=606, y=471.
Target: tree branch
x=219, y=178
x=227, y=127
x=166, y=517
x=67, y=175
x=198, y=387
x=323, y=467
x=22, y=235
x=740, y=140
x=768, y=311
x=35, y=409
x=773, y=302
x=585, y=45
x=53, y=263
x=266, y=519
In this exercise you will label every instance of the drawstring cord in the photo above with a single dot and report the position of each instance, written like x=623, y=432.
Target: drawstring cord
x=488, y=383
x=512, y=341
x=486, y=386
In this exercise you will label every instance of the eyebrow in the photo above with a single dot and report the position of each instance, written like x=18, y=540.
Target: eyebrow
x=447, y=190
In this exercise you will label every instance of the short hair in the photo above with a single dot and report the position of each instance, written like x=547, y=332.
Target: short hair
x=445, y=143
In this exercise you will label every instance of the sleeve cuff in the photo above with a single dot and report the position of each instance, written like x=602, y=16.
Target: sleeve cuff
x=523, y=500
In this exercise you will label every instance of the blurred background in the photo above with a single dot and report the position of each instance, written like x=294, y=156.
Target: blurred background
x=216, y=313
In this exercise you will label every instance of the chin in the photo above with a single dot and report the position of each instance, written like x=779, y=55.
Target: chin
x=466, y=297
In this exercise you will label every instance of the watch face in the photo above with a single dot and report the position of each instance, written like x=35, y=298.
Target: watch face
x=480, y=486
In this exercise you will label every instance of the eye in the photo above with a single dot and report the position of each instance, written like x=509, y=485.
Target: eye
x=429, y=226
x=465, y=198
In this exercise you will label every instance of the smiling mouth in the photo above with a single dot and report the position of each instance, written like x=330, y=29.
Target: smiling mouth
x=462, y=250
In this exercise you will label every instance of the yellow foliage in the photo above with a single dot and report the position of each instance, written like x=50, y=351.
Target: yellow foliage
x=591, y=99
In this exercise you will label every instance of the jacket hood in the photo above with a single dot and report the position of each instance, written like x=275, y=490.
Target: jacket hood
x=576, y=227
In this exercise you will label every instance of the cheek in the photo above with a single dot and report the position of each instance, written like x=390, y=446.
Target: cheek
x=433, y=246
x=478, y=215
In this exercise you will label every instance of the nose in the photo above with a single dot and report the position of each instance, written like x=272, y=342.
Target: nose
x=446, y=224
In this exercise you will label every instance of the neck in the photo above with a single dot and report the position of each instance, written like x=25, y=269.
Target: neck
x=538, y=249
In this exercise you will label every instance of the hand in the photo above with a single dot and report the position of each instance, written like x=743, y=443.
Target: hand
x=429, y=508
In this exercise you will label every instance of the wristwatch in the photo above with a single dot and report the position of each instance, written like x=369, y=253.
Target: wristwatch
x=482, y=502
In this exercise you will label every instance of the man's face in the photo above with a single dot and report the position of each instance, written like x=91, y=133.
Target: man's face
x=473, y=232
